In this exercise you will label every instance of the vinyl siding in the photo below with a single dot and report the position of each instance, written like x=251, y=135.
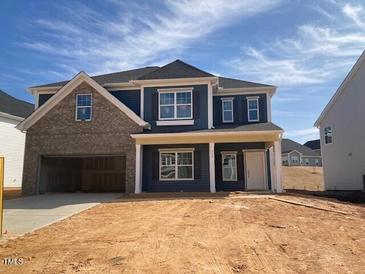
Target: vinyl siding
x=12, y=142
x=200, y=109
x=131, y=98
x=239, y=109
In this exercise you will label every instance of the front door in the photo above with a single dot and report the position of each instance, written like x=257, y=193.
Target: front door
x=255, y=170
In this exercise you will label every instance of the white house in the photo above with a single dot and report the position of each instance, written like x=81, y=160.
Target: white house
x=12, y=140
x=342, y=133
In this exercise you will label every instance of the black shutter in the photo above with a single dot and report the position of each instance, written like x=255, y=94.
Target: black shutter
x=155, y=166
x=236, y=110
x=154, y=104
x=197, y=165
x=196, y=107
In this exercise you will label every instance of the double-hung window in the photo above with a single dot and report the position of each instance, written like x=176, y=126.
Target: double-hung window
x=83, y=107
x=328, y=137
x=253, y=109
x=176, y=165
x=229, y=166
x=175, y=105
x=227, y=110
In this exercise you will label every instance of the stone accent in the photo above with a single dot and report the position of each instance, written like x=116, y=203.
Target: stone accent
x=57, y=133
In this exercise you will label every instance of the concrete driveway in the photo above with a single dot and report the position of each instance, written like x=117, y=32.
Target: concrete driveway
x=26, y=214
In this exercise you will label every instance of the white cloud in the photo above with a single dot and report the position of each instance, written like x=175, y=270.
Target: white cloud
x=127, y=39
x=302, y=135
x=355, y=13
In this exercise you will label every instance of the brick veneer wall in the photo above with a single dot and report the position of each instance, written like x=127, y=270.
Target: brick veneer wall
x=57, y=133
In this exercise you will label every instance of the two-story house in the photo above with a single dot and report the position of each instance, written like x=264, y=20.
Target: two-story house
x=153, y=129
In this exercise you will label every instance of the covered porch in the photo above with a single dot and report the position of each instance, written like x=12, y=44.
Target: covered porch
x=246, y=158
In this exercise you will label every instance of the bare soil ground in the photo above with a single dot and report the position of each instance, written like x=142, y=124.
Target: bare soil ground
x=303, y=178
x=226, y=233
x=12, y=192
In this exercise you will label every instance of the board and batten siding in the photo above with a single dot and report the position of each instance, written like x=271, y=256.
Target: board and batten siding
x=12, y=142
x=344, y=159
x=151, y=165
x=200, y=109
x=131, y=98
x=239, y=109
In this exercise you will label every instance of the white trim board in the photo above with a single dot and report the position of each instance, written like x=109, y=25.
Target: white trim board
x=67, y=89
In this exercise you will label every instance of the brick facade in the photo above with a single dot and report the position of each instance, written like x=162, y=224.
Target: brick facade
x=57, y=133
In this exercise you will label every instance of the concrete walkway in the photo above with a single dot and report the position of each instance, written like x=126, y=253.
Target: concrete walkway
x=26, y=214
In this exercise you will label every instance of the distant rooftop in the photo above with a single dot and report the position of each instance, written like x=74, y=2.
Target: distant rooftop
x=13, y=106
x=288, y=145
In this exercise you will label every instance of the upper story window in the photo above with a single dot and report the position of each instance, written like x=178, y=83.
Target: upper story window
x=328, y=138
x=253, y=109
x=175, y=105
x=227, y=110
x=229, y=166
x=83, y=107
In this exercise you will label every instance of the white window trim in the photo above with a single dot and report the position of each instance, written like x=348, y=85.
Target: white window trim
x=324, y=134
x=232, y=153
x=77, y=107
x=256, y=98
x=223, y=101
x=175, y=151
x=175, y=91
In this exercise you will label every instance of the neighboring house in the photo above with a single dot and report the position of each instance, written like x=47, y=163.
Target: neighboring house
x=342, y=133
x=170, y=128
x=314, y=145
x=12, y=111
x=295, y=154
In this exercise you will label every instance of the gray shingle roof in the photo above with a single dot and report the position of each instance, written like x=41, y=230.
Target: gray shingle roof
x=116, y=77
x=176, y=69
x=225, y=82
x=288, y=145
x=313, y=144
x=13, y=106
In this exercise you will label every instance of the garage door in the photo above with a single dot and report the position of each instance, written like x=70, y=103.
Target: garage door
x=89, y=174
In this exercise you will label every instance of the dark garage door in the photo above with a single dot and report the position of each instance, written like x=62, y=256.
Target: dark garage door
x=89, y=174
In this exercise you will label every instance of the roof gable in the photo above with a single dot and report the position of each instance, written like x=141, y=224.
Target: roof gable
x=65, y=90
x=341, y=89
x=314, y=144
x=15, y=107
x=175, y=70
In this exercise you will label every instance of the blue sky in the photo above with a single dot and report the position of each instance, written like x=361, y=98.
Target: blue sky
x=304, y=47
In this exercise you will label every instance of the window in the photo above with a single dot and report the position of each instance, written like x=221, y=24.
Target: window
x=295, y=159
x=317, y=162
x=229, y=166
x=253, y=109
x=83, y=107
x=175, y=105
x=227, y=110
x=328, y=138
x=176, y=165
x=306, y=161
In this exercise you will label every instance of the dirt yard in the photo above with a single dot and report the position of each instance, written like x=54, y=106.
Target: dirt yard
x=223, y=233
x=303, y=178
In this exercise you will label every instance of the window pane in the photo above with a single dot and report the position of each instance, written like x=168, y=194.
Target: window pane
x=227, y=105
x=168, y=172
x=183, y=98
x=229, y=167
x=252, y=104
x=84, y=113
x=84, y=100
x=183, y=111
x=227, y=116
x=185, y=158
x=167, y=159
x=253, y=115
x=167, y=111
x=185, y=172
x=229, y=173
x=166, y=98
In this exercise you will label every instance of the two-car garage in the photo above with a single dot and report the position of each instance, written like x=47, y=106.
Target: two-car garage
x=82, y=173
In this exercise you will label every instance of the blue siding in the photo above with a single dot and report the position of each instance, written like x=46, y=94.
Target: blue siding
x=131, y=98
x=238, y=147
x=42, y=98
x=200, y=109
x=239, y=109
x=150, y=172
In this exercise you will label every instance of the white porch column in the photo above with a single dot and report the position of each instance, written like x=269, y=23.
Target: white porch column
x=211, y=167
x=277, y=167
x=138, y=175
